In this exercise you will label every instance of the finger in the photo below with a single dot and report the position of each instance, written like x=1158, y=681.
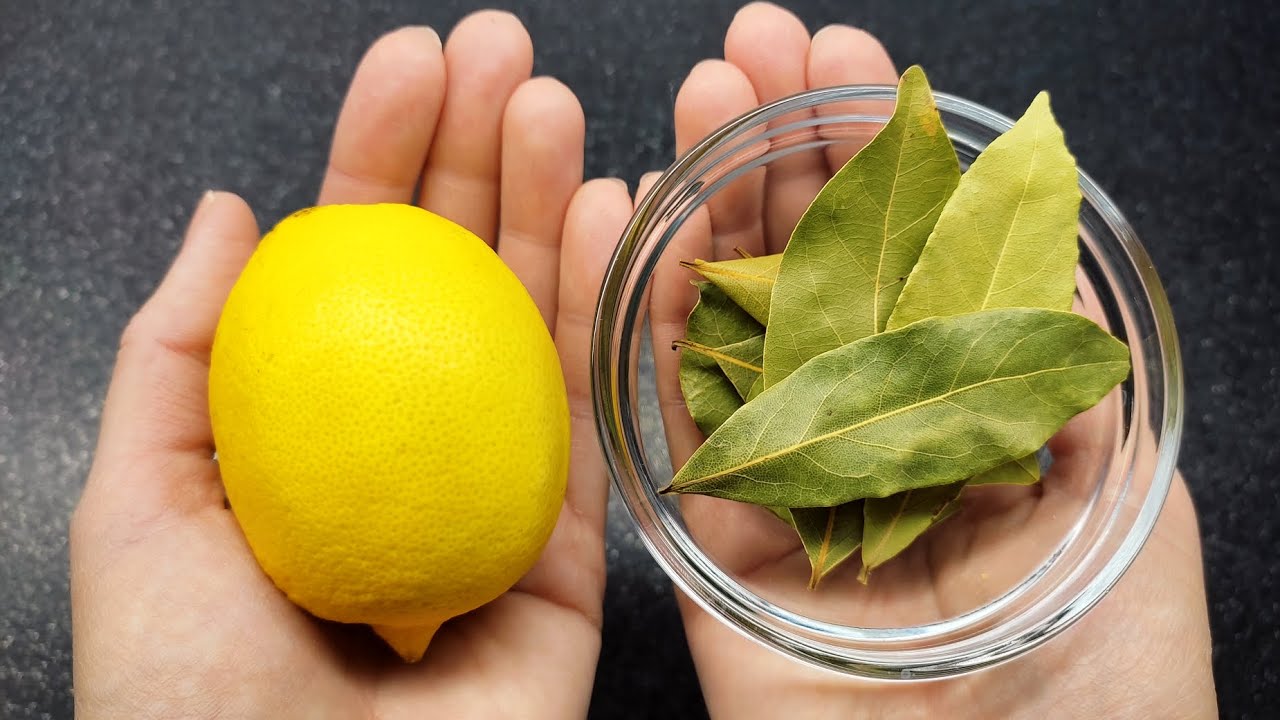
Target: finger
x=771, y=46
x=543, y=134
x=714, y=93
x=735, y=535
x=571, y=571
x=597, y=216
x=671, y=297
x=645, y=186
x=387, y=121
x=843, y=55
x=487, y=56
x=157, y=405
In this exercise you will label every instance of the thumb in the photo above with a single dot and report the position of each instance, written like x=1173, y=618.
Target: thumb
x=156, y=414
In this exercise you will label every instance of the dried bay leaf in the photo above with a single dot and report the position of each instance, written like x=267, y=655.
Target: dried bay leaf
x=928, y=404
x=893, y=523
x=743, y=363
x=715, y=318
x=740, y=361
x=1023, y=471
x=1006, y=238
x=830, y=536
x=847, y=258
x=748, y=281
x=708, y=394
x=840, y=274
x=716, y=321
x=782, y=513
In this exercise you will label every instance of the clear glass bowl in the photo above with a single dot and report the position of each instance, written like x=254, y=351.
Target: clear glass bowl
x=1023, y=566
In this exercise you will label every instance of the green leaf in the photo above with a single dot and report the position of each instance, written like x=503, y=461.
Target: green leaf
x=716, y=321
x=893, y=523
x=844, y=266
x=1007, y=237
x=842, y=270
x=928, y=404
x=782, y=513
x=749, y=281
x=830, y=536
x=757, y=387
x=740, y=361
x=708, y=394
x=1023, y=471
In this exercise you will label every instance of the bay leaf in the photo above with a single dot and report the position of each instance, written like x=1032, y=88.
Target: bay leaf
x=715, y=321
x=1007, y=237
x=830, y=536
x=708, y=394
x=891, y=524
x=756, y=388
x=743, y=363
x=782, y=513
x=1023, y=471
x=828, y=291
x=748, y=281
x=740, y=361
x=840, y=274
x=934, y=402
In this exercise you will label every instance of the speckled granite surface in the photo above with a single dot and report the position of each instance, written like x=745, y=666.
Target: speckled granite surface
x=115, y=115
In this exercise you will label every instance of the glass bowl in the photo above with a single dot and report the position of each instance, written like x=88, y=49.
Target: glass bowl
x=1024, y=566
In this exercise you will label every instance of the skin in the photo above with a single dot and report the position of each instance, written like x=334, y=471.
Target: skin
x=1144, y=651
x=173, y=618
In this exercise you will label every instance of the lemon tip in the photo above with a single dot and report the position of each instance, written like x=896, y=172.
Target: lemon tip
x=410, y=643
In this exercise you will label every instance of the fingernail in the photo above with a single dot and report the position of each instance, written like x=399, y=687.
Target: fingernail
x=206, y=199
x=433, y=36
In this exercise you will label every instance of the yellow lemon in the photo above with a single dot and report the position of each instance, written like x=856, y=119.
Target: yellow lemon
x=390, y=418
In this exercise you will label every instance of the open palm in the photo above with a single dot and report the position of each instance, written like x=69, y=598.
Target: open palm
x=172, y=615
x=1144, y=652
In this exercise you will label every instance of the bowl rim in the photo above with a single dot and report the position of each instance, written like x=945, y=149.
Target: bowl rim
x=888, y=664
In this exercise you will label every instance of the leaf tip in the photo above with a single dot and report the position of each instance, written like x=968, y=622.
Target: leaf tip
x=1041, y=107
x=914, y=73
x=914, y=82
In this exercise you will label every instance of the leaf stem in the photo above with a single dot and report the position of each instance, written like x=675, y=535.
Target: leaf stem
x=715, y=354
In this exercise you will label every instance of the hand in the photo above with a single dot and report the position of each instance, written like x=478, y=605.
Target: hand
x=172, y=616
x=1143, y=652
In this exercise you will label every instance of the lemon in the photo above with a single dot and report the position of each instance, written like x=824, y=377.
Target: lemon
x=390, y=418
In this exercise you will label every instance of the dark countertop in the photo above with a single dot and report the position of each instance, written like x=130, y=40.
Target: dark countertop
x=115, y=116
